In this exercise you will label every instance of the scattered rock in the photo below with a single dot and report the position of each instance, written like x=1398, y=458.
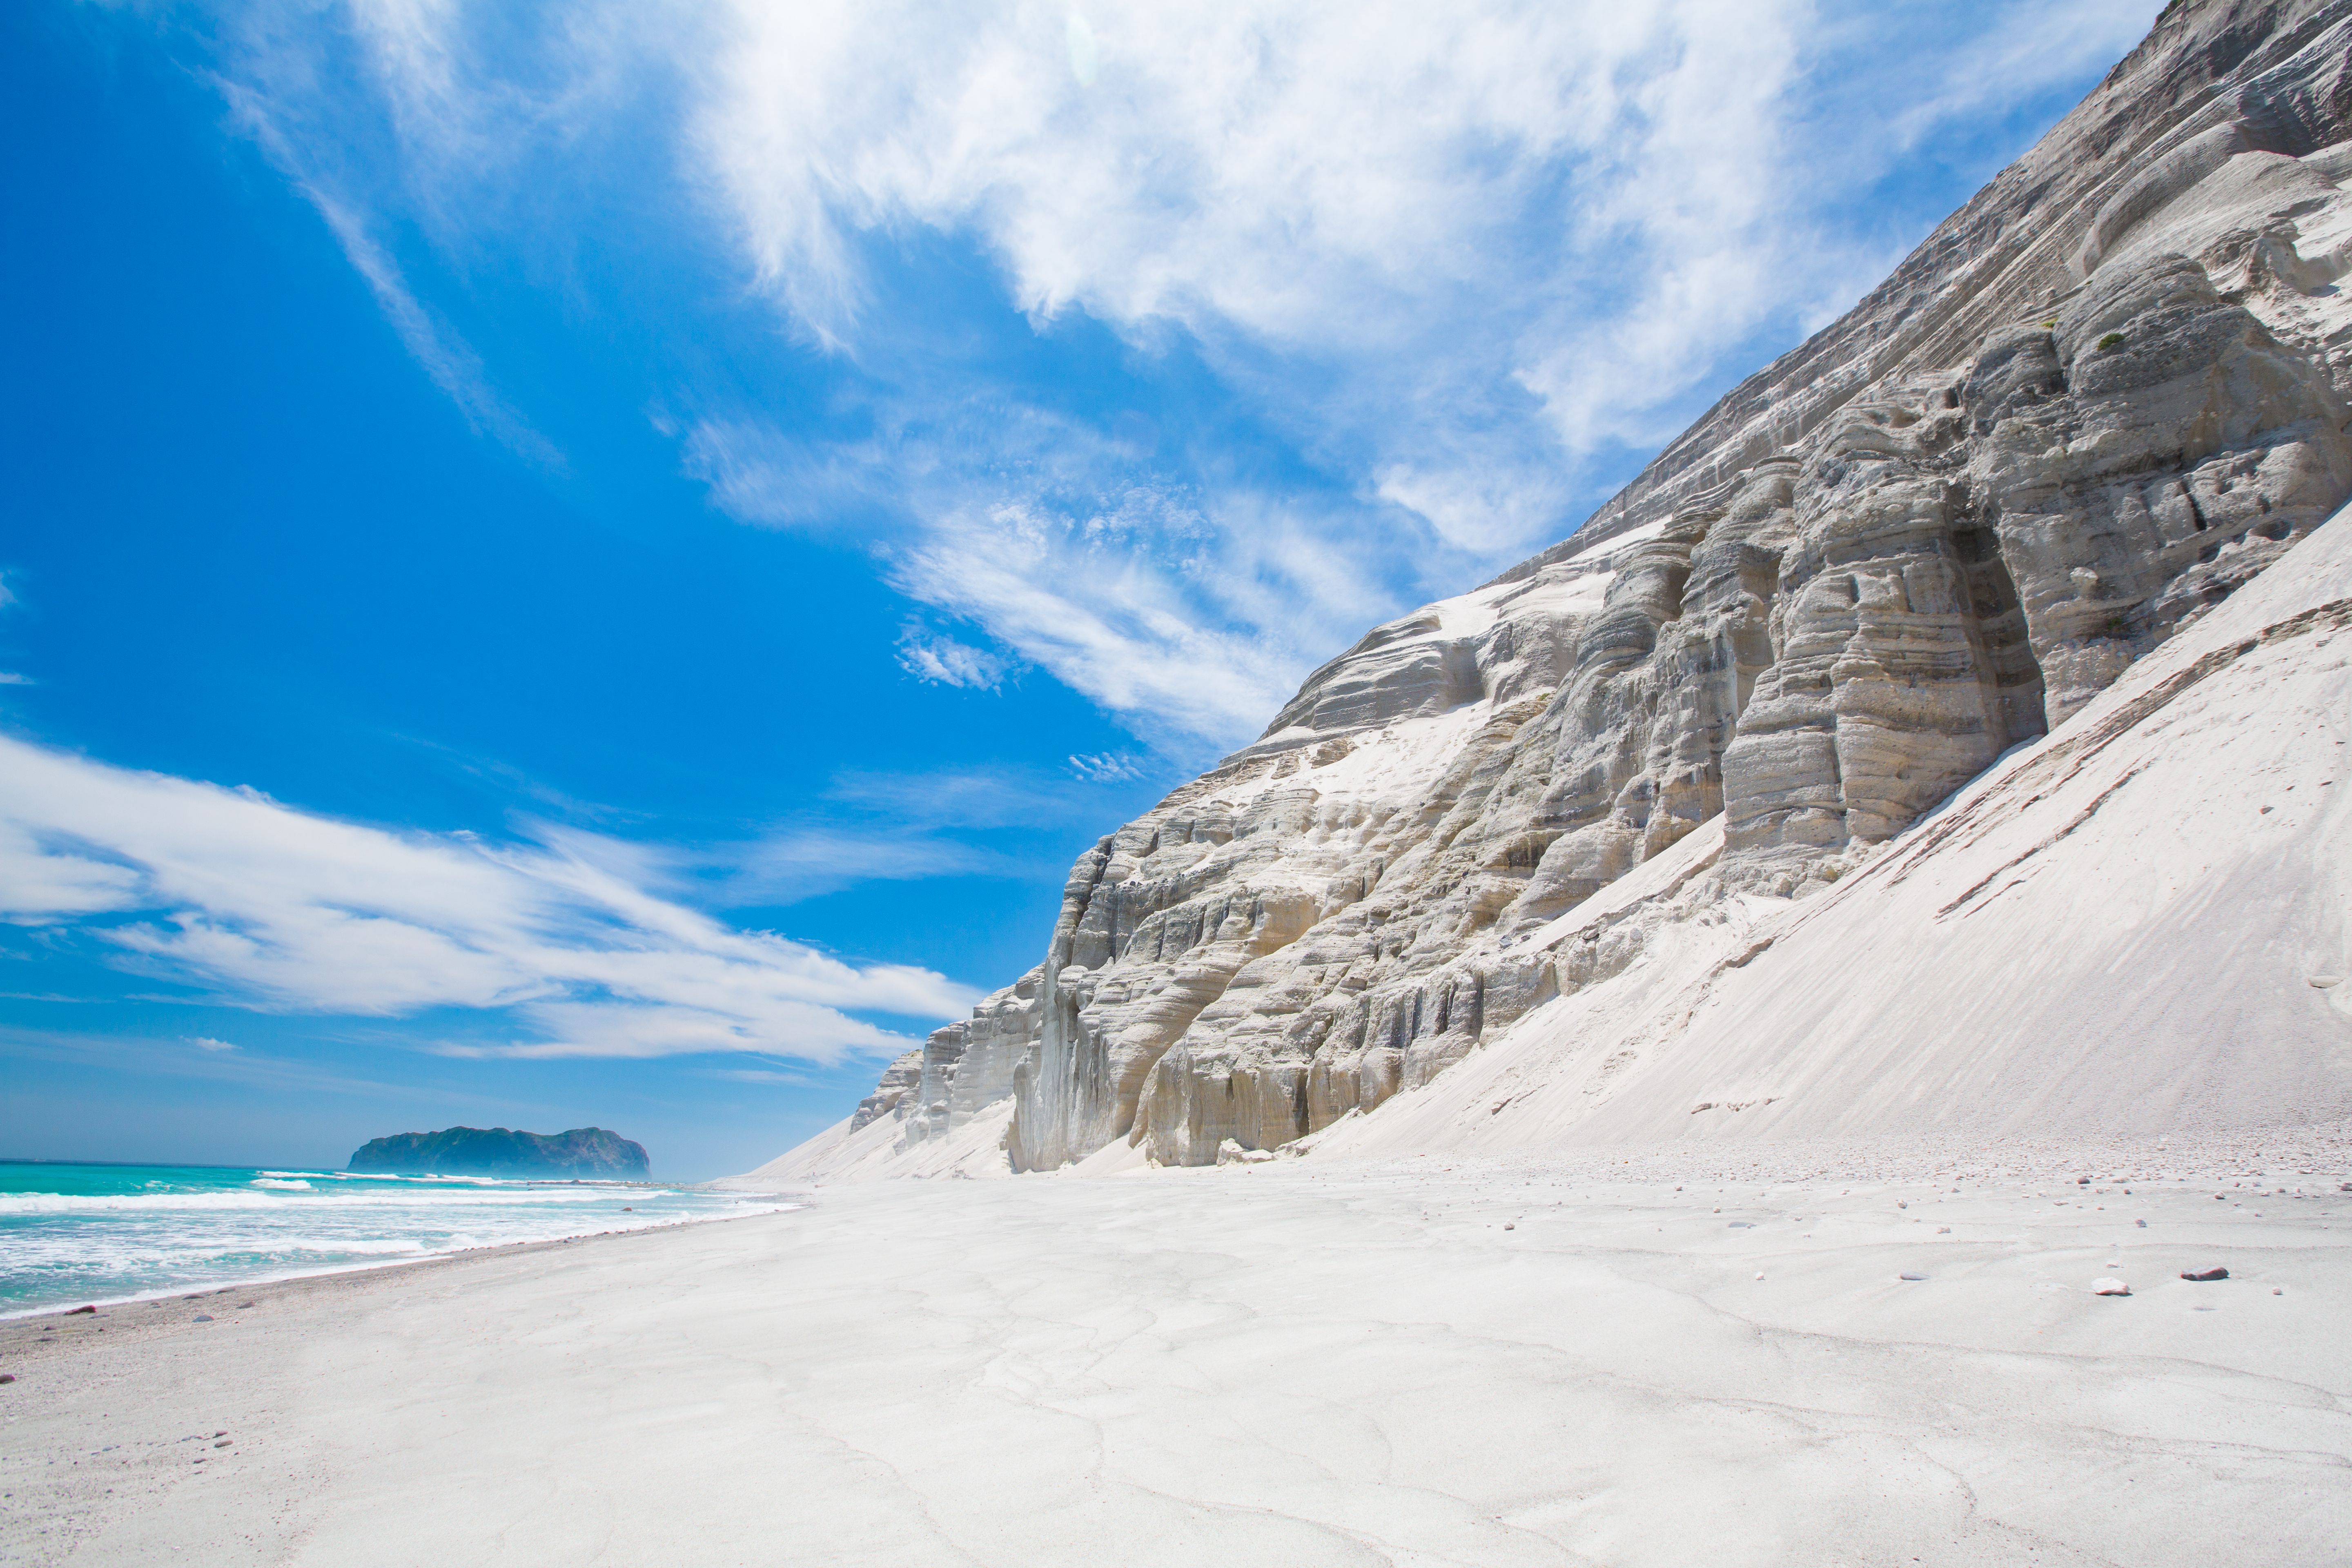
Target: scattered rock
x=224, y=1442
x=79, y=1311
x=11, y=1377
x=2109, y=1286
x=2141, y=1222
x=203, y=1318
x=1510, y=1227
x=2203, y=1275
x=1910, y=1277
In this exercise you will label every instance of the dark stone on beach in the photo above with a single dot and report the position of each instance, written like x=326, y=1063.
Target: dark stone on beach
x=498, y=1151
x=203, y=1318
x=7, y=1377
x=78, y=1311
x=2202, y=1275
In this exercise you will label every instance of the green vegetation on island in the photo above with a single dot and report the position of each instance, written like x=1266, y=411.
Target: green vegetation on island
x=496, y=1151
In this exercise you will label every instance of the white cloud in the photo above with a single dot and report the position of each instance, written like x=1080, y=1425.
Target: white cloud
x=1463, y=259
x=943, y=661
x=1105, y=767
x=1096, y=606
x=207, y=1043
x=759, y=1075
x=802, y=862
x=278, y=83
x=291, y=912
x=1496, y=240
x=961, y=797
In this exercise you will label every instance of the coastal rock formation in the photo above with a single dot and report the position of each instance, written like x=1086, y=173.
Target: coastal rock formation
x=583, y=1153
x=2094, y=404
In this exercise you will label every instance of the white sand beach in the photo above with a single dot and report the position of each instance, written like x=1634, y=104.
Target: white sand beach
x=1673, y=1357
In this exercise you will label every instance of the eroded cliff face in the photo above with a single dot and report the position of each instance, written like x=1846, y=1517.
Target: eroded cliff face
x=2094, y=404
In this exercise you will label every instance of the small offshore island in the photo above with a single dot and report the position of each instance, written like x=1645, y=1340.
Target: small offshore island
x=584, y=1152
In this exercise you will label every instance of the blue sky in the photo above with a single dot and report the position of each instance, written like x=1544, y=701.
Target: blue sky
x=596, y=564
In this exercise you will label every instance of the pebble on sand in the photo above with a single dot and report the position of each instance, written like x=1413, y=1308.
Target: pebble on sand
x=11, y=1377
x=2202, y=1275
x=203, y=1318
x=2109, y=1286
x=1910, y=1277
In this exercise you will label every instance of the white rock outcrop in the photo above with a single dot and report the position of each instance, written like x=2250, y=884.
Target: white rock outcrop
x=2094, y=404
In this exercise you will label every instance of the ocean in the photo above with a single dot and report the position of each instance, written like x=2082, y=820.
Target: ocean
x=71, y=1234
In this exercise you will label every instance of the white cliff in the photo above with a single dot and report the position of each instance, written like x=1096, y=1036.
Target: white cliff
x=1891, y=752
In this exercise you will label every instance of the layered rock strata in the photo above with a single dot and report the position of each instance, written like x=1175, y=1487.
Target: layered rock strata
x=2094, y=404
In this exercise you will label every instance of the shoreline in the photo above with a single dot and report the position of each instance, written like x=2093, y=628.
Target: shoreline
x=2176, y=1157
x=332, y=1271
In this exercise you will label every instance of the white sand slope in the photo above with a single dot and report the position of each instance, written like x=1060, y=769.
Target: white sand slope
x=2136, y=925
x=1288, y=1366
x=873, y=1152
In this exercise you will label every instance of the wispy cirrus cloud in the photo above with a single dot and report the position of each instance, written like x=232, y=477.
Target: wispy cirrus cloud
x=943, y=661
x=1463, y=263
x=562, y=940
x=1105, y=767
x=279, y=76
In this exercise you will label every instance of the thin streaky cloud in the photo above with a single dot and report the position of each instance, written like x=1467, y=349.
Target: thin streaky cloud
x=284, y=910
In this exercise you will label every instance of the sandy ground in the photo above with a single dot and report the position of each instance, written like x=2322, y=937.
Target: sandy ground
x=1484, y=1362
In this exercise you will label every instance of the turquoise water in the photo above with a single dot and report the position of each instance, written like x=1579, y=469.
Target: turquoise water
x=72, y=1234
